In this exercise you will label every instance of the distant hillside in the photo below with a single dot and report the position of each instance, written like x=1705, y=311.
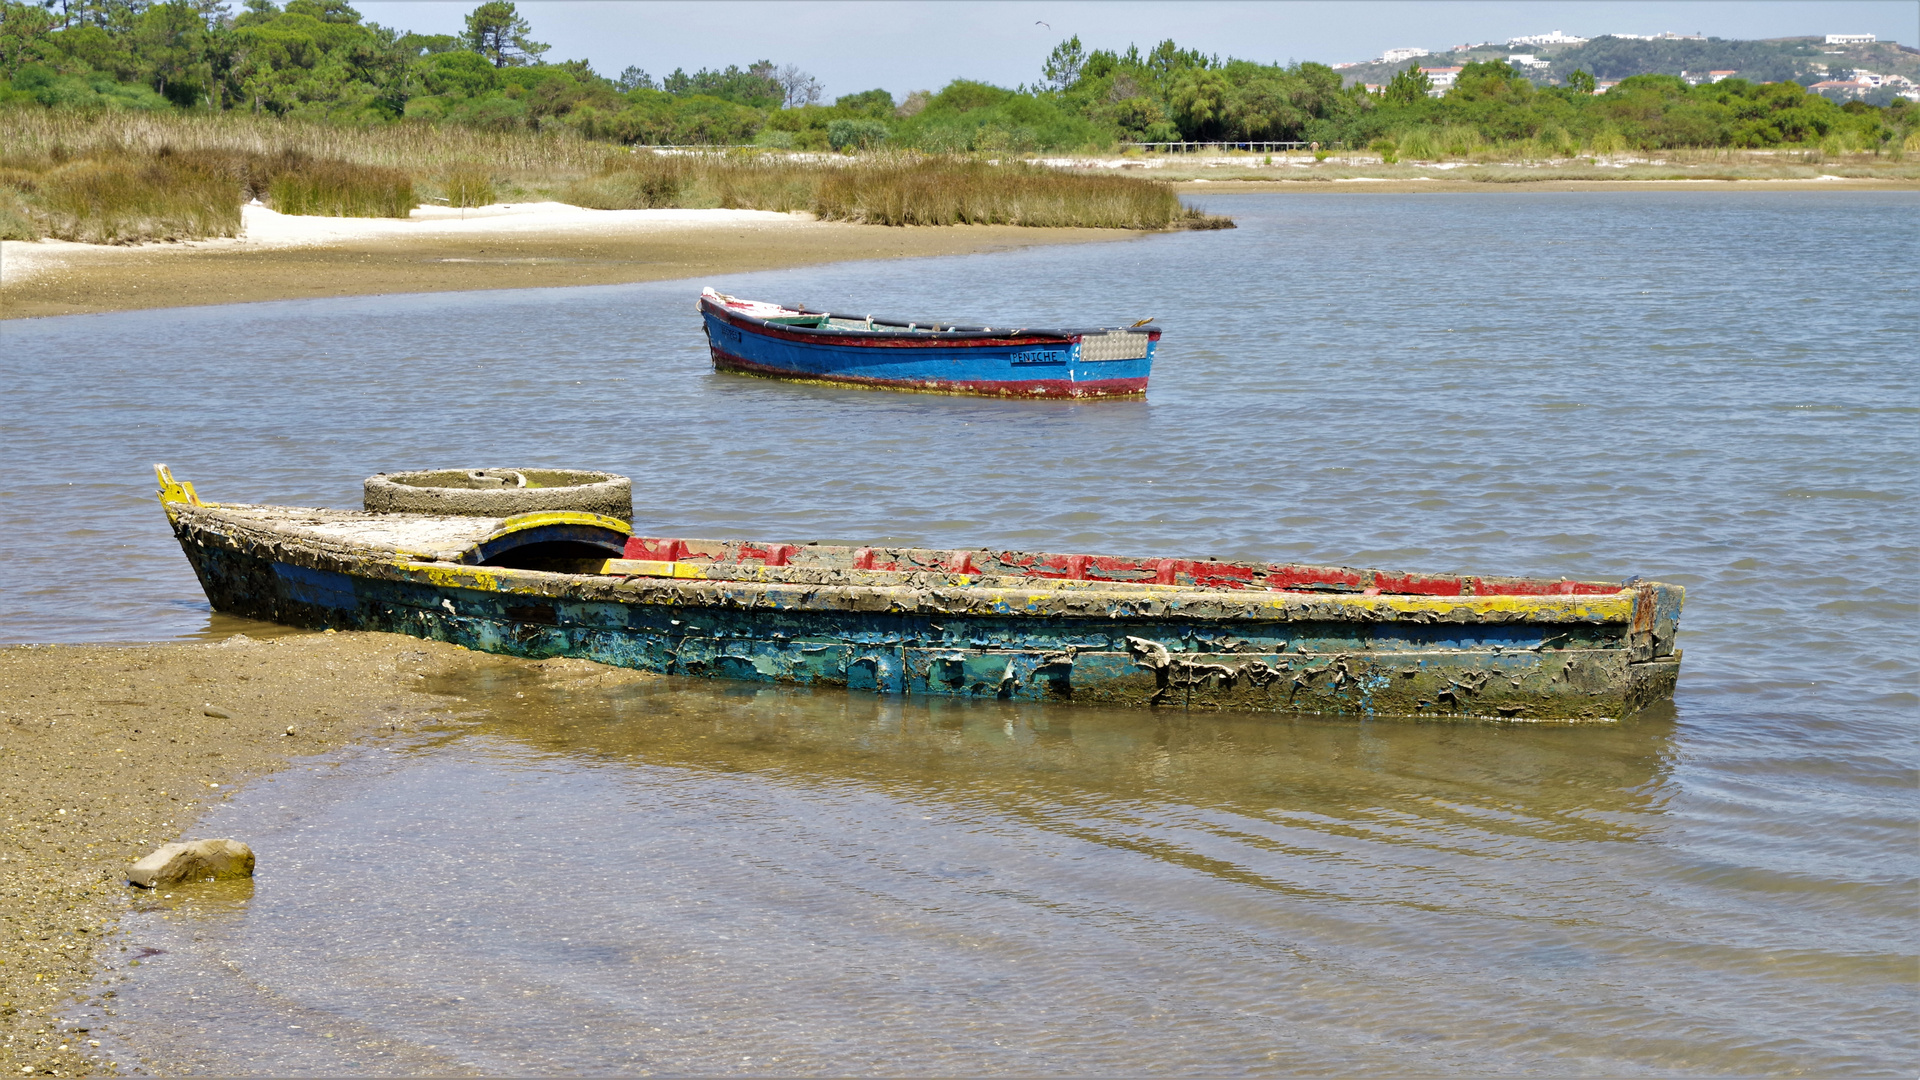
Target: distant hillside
x=1804, y=60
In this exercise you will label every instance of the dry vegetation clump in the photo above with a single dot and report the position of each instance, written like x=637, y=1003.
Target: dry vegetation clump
x=301, y=185
x=955, y=192
x=887, y=190
x=645, y=181
x=468, y=183
x=631, y=182
x=118, y=198
x=106, y=194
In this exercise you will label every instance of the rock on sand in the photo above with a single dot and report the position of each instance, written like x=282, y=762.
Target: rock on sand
x=198, y=860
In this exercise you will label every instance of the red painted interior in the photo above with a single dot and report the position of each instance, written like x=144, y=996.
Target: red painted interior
x=1201, y=573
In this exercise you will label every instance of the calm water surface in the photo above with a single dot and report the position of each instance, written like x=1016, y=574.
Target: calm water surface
x=1715, y=389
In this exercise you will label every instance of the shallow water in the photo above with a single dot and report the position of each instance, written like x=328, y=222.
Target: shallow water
x=1697, y=387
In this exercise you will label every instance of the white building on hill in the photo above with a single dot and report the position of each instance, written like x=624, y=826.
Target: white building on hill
x=1851, y=39
x=1555, y=38
x=1394, y=56
x=1441, y=78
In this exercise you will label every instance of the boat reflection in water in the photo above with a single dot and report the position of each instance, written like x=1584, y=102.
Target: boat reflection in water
x=620, y=872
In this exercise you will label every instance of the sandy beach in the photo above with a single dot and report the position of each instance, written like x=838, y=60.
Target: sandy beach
x=108, y=752
x=529, y=245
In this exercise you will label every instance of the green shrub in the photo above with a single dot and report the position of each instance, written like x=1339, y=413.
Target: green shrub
x=1418, y=144
x=1607, y=142
x=850, y=135
x=1457, y=140
x=1553, y=142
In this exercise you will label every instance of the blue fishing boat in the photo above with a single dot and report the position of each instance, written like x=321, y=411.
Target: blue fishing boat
x=756, y=338
x=1023, y=626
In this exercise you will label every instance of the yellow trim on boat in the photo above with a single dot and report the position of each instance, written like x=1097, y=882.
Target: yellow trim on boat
x=450, y=576
x=175, y=492
x=653, y=568
x=1612, y=607
x=537, y=518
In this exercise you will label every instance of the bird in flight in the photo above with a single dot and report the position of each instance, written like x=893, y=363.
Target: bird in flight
x=1048, y=25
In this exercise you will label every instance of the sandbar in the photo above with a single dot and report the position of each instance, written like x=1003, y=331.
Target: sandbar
x=107, y=752
x=281, y=257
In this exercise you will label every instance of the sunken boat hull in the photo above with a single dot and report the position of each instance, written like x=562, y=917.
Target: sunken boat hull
x=914, y=626
x=826, y=347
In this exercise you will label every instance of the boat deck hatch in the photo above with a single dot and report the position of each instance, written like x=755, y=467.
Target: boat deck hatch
x=544, y=541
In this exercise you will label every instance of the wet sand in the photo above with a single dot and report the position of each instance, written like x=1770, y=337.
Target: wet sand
x=108, y=752
x=326, y=257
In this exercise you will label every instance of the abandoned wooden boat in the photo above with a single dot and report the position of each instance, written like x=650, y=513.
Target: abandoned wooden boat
x=757, y=338
x=1000, y=624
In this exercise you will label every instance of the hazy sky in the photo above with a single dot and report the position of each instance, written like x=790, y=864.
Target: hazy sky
x=853, y=45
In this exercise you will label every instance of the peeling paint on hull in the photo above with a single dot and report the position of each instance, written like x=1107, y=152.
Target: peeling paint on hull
x=1501, y=657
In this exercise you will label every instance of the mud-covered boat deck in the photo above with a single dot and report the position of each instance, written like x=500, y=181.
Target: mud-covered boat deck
x=1198, y=633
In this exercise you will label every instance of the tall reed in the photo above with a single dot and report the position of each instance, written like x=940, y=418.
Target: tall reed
x=341, y=189
x=631, y=182
x=121, y=200
x=468, y=183
x=953, y=192
x=893, y=190
x=421, y=149
x=1419, y=144
x=311, y=168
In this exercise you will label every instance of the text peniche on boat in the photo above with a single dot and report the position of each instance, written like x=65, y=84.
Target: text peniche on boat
x=542, y=563
x=753, y=337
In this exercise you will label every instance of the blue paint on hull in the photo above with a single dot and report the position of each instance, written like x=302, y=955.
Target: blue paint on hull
x=1562, y=671
x=1049, y=367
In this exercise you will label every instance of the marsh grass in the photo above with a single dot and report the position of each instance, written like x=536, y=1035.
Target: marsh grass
x=108, y=194
x=468, y=184
x=126, y=177
x=340, y=189
x=16, y=217
x=953, y=192
x=631, y=182
x=421, y=150
x=888, y=190
x=119, y=199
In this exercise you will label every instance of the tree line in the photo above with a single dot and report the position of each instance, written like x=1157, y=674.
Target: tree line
x=319, y=59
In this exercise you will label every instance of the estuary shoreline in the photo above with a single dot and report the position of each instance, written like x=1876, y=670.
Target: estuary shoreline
x=108, y=751
x=538, y=245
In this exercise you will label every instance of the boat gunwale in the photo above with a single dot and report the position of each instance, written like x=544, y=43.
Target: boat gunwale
x=898, y=591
